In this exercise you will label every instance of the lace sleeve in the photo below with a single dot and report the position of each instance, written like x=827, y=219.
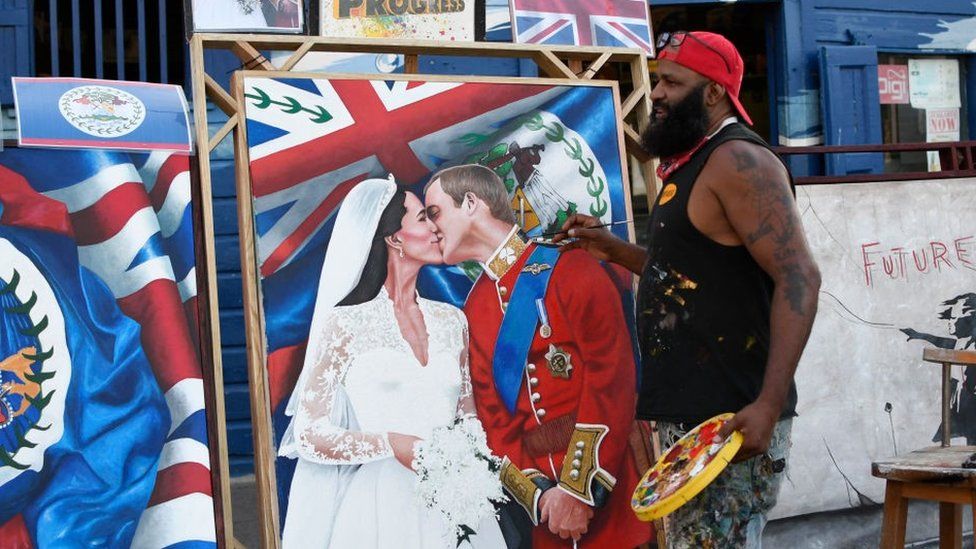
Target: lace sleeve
x=321, y=420
x=465, y=405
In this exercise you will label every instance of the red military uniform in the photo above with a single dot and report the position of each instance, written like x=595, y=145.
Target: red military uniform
x=575, y=407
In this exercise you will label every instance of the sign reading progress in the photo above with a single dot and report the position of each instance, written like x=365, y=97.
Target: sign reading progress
x=378, y=8
x=448, y=20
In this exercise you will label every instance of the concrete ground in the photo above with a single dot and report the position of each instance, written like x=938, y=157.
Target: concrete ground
x=858, y=528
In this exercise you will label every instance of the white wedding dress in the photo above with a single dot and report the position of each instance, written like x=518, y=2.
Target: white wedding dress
x=349, y=491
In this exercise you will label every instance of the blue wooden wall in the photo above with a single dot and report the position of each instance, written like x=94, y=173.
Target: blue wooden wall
x=896, y=26
x=16, y=44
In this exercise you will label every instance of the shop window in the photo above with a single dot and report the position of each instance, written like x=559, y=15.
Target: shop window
x=923, y=99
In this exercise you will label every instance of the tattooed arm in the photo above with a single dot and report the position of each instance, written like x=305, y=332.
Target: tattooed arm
x=752, y=187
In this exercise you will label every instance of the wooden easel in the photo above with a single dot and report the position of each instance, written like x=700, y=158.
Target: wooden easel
x=573, y=63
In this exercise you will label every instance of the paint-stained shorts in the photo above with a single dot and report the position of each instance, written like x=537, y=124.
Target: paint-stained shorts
x=731, y=512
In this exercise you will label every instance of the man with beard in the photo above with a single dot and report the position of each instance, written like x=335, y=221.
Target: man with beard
x=552, y=371
x=728, y=288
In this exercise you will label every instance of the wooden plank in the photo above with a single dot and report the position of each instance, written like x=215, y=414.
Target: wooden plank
x=936, y=492
x=449, y=78
x=952, y=356
x=264, y=453
x=250, y=56
x=76, y=37
x=632, y=101
x=99, y=41
x=405, y=46
x=53, y=24
x=163, y=57
x=141, y=25
x=576, y=66
x=929, y=465
x=296, y=56
x=950, y=526
x=552, y=65
x=973, y=513
x=119, y=40
x=218, y=436
x=642, y=116
x=411, y=63
x=895, y=517
x=633, y=140
x=219, y=96
x=221, y=133
x=595, y=66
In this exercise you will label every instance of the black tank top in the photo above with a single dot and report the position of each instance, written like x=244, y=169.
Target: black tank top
x=703, y=309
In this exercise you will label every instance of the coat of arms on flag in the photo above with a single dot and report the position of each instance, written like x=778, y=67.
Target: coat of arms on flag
x=556, y=146
x=103, y=428
x=609, y=23
x=104, y=114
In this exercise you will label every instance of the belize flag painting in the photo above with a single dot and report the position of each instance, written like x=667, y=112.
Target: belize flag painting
x=103, y=114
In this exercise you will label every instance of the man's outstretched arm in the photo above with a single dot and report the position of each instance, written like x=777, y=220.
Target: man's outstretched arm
x=601, y=243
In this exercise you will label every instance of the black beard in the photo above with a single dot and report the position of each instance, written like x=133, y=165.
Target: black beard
x=682, y=128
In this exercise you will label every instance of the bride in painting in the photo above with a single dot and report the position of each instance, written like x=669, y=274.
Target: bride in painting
x=383, y=368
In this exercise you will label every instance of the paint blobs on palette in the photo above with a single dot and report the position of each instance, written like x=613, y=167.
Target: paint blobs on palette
x=685, y=469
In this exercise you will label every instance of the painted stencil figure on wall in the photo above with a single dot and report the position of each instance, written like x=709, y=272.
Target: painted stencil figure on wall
x=961, y=317
x=365, y=374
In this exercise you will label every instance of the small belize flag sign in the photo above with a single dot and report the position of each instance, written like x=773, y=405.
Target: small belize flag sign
x=101, y=114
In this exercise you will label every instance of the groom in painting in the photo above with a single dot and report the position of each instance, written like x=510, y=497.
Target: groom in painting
x=551, y=367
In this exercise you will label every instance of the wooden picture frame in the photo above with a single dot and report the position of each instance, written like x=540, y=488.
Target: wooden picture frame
x=627, y=66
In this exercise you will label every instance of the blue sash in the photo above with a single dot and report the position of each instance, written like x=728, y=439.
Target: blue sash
x=519, y=327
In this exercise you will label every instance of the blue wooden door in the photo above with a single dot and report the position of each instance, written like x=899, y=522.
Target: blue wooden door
x=15, y=44
x=850, y=106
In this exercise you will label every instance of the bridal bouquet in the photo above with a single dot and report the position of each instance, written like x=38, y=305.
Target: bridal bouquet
x=457, y=476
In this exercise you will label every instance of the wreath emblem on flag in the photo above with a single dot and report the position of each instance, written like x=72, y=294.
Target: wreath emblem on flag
x=102, y=111
x=34, y=365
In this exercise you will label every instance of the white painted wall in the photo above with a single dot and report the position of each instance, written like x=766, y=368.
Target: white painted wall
x=853, y=366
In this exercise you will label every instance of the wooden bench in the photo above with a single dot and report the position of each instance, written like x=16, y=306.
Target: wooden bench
x=934, y=474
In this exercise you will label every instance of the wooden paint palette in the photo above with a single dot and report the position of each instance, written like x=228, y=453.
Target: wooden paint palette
x=685, y=469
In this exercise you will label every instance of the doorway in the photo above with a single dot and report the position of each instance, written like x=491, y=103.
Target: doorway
x=746, y=26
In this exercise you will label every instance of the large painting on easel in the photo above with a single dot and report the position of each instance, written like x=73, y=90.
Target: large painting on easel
x=104, y=434
x=408, y=292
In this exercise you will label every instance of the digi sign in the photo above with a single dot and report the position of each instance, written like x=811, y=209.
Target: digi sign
x=893, y=84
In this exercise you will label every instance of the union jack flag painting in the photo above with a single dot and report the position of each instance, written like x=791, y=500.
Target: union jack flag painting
x=311, y=140
x=103, y=426
x=608, y=23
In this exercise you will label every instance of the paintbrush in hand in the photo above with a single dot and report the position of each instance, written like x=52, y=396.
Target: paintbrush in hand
x=546, y=238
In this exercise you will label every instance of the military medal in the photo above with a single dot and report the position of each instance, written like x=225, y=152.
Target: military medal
x=545, y=330
x=559, y=362
x=536, y=268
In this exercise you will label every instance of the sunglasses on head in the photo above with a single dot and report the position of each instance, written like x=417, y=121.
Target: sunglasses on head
x=675, y=39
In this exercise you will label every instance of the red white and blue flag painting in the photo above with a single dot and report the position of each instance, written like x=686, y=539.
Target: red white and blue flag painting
x=608, y=23
x=312, y=140
x=103, y=427
x=101, y=114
